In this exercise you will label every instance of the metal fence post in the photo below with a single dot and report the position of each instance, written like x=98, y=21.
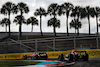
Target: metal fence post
x=7, y=45
x=54, y=44
x=36, y=45
x=97, y=42
x=20, y=46
x=75, y=42
x=18, y=35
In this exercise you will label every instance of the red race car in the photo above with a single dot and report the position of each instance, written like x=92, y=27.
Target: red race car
x=36, y=56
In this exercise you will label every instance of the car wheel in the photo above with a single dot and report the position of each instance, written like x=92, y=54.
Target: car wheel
x=46, y=57
x=85, y=58
x=24, y=57
x=71, y=57
x=76, y=57
x=35, y=57
x=61, y=57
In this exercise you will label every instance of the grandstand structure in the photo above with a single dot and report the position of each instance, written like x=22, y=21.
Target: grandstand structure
x=34, y=42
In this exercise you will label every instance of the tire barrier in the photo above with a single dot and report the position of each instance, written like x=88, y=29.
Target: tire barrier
x=90, y=52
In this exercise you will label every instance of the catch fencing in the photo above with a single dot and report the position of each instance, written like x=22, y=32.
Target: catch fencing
x=51, y=44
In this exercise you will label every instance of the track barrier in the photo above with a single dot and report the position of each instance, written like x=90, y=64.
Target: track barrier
x=13, y=56
x=91, y=52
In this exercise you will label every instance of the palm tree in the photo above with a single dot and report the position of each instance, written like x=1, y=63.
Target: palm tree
x=22, y=8
x=96, y=13
x=7, y=9
x=76, y=12
x=53, y=10
x=19, y=20
x=66, y=8
x=55, y=23
x=40, y=12
x=5, y=22
x=32, y=21
x=86, y=13
x=75, y=24
x=73, y=13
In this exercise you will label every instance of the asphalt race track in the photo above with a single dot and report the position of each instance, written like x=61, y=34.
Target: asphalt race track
x=93, y=62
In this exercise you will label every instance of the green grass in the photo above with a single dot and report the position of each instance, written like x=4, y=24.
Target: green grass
x=12, y=63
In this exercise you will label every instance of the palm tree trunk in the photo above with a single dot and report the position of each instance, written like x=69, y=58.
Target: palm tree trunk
x=54, y=31
x=41, y=26
x=78, y=28
x=20, y=29
x=75, y=32
x=97, y=23
x=78, y=31
x=89, y=25
x=67, y=26
x=9, y=24
x=32, y=29
x=54, y=27
x=67, y=14
x=20, y=26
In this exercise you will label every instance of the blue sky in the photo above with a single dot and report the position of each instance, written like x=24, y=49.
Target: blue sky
x=34, y=4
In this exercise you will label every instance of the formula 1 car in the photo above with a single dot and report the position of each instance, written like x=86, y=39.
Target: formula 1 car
x=74, y=56
x=35, y=56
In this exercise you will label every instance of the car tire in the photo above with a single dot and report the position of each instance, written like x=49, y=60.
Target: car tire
x=61, y=57
x=35, y=57
x=85, y=58
x=71, y=57
x=76, y=57
x=45, y=57
x=24, y=57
